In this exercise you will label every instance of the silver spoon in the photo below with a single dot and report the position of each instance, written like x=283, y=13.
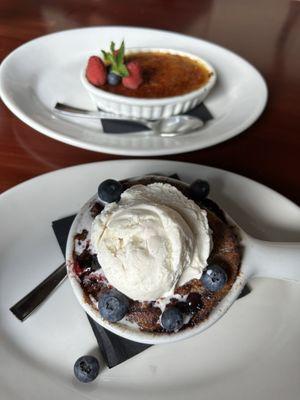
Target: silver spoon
x=165, y=127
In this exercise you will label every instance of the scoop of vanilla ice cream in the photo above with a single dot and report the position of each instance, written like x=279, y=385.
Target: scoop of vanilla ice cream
x=153, y=240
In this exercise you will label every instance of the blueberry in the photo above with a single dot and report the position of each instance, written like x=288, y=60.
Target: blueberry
x=194, y=302
x=110, y=190
x=113, y=305
x=172, y=319
x=113, y=79
x=199, y=189
x=214, y=277
x=86, y=368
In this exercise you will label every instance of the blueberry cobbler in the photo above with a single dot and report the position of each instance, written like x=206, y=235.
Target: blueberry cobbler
x=156, y=253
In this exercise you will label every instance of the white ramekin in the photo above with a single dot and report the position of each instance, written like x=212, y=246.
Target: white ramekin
x=130, y=331
x=151, y=108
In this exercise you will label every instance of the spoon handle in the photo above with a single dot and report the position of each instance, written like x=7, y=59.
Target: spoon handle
x=24, y=307
x=69, y=111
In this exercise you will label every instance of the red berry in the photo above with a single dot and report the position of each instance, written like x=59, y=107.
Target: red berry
x=134, y=79
x=96, y=71
x=77, y=269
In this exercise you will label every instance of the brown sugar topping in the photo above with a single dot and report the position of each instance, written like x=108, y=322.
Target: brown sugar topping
x=164, y=75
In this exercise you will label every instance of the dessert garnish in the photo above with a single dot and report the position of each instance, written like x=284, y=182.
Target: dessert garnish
x=172, y=319
x=214, y=277
x=110, y=190
x=113, y=305
x=134, y=78
x=96, y=71
x=115, y=60
x=113, y=69
x=199, y=189
x=86, y=368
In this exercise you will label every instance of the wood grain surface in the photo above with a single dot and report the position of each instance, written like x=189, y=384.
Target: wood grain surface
x=265, y=32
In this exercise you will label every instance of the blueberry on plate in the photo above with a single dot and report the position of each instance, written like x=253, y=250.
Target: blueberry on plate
x=113, y=79
x=172, y=319
x=86, y=368
x=110, y=190
x=214, y=277
x=199, y=189
x=113, y=305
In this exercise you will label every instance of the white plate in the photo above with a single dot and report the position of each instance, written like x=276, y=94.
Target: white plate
x=46, y=70
x=253, y=352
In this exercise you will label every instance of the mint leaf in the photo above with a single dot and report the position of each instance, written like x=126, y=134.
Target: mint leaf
x=112, y=47
x=120, y=55
x=116, y=59
x=115, y=70
x=105, y=56
x=111, y=59
x=123, y=71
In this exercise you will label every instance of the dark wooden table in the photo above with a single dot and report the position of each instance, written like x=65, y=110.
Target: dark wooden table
x=265, y=32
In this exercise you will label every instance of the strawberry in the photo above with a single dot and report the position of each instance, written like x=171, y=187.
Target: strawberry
x=96, y=71
x=134, y=79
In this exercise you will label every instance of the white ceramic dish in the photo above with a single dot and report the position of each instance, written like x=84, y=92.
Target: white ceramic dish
x=252, y=352
x=45, y=71
x=151, y=108
x=260, y=258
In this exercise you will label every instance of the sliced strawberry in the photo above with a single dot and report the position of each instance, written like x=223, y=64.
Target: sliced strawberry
x=134, y=79
x=96, y=71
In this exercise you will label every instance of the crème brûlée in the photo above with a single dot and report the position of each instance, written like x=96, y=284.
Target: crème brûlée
x=163, y=75
x=167, y=258
x=147, y=82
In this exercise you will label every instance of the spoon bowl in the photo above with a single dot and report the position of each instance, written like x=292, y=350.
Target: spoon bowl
x=176, y=125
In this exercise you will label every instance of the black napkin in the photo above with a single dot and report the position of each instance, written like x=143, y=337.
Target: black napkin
x=114, y=348
x=115, y=126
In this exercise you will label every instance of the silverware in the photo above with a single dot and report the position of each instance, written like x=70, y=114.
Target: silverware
x=166, y=127
x=24, y=307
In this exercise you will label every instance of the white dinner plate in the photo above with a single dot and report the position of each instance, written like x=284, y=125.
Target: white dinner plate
x=47, y=70
x=253, y=352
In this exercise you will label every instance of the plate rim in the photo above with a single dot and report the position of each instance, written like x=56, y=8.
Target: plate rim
x=120, y=151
